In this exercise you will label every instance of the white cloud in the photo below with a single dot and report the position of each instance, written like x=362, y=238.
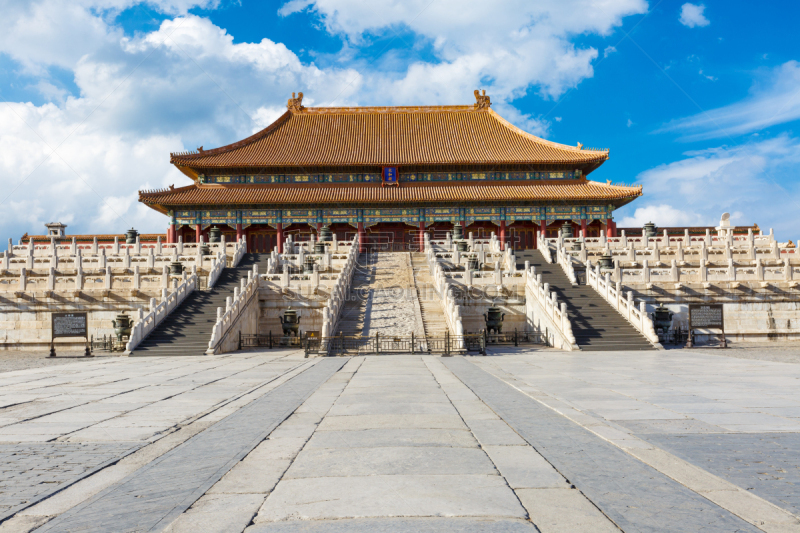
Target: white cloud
x=629, y=123
x=185, y=84
x=43, y=33
x=748, y=180
x=775, y=100
x=692, y=15
x=508, y=47
x=180, y=86
x=608, y=51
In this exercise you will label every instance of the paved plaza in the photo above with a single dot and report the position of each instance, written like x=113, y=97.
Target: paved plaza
x=518, y=440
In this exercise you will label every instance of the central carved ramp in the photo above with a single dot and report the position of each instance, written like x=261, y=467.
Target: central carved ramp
x=382, y=298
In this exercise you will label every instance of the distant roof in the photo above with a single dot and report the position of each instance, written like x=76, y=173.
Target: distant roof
x=389, y=136
x=373, y=194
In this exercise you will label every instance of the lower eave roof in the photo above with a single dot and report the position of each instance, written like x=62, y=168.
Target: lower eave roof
x=282, y=195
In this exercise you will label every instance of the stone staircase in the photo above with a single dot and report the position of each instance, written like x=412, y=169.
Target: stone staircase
x=433, y=318
x=596, y=325
x=187, y=330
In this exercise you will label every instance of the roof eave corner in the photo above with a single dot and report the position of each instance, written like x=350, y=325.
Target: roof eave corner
x=189, y=171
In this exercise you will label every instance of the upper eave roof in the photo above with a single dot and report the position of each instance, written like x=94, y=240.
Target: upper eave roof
x=388, y=136
x=433, y=193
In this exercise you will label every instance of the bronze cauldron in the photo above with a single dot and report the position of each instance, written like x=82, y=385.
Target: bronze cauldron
x=458, y=232
x=462, y=246
x=319, y=247
x=662, y=318
x=214, y=235
x=325, y=234
x=176, y=267
x=494, y=320
x=649, y=230
x=122, y=326
x=130, y=236
x=473, y=264
x=290, y=323
x=606, y=261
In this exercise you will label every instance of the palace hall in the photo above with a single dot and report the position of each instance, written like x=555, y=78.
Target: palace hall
x=391, y=174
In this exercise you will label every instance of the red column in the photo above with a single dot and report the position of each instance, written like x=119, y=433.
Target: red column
x=171, y=233
x=614, y=228
x=319, y=228
x=198, y=237
x=609, y=227
x=280, y=238
x=361, y=237
x=583, y=227
x=543, y=225
x=238, y=232
x=421, y=236
x=502, y=235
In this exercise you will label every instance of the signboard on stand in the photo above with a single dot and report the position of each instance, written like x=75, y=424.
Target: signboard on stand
x=706, y=316
x=68, y=325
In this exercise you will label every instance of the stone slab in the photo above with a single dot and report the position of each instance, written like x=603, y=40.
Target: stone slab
x=495, y=433
x=565, y=511
x=374, y=438
x=397, y=525
x=386, y=496
x=523, y=468
x=218, y=513
x=385, y=461
x=358, y=422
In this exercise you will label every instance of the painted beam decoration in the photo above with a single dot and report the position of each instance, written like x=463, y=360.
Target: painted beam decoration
x=375, y=216
x=409, y=215
x=390, y=176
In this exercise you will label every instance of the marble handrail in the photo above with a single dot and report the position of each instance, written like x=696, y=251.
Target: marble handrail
x=612, y=293
x=145, y=324
x=233, y=308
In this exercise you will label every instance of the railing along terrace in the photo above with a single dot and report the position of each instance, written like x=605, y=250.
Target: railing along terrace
x=738, y=242
x=388, y=345
x=122, y=256
x=106, y=279
x=115, y=248
x=760, y=272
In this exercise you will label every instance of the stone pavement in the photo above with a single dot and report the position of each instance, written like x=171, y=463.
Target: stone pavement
x=525, y=440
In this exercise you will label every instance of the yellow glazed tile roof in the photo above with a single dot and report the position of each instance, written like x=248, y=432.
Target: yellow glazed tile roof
x=388, y=136
x=368, y=194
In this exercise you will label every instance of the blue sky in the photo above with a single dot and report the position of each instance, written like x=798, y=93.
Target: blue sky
x=698, y=102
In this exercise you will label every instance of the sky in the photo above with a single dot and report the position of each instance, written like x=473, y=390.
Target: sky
x=697, y=102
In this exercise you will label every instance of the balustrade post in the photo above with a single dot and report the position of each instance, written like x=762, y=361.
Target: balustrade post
x=107, y=284
x=645, y=272
x=164, y=277
x=23, y=279
x=788, y=273
x=673, y=271
x=136, y=278
x=731, y=270
x=94, y=245
x=116, y=245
